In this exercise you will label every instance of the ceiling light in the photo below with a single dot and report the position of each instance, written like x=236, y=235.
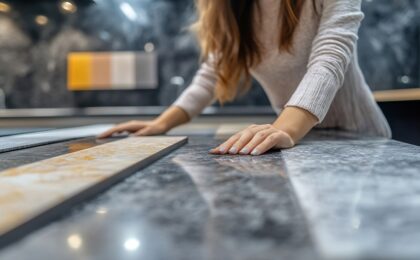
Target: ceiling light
x=4, y=7
x=68, y=7
x=41, y=20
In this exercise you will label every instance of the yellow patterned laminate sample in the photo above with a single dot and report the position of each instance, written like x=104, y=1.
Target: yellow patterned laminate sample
x=29, y=190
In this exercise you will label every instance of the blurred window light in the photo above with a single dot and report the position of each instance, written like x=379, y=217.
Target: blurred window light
x=131, y=244
x=179, y=81
x=149, y=47
x=41, y=20
x=75, y=241
x=4, y=7
x=68, y=7
x=405, y=79
x=102, y=211
x=128, y=11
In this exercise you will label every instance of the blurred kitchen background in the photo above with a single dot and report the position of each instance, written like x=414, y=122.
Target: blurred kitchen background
x=36, y=38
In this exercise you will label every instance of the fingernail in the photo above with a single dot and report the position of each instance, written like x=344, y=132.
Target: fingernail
x=244, y=151
x=255, y=152
x=233, y=150
x=222, y=149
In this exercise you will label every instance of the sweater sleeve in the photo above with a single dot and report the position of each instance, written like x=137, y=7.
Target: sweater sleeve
x=332, y=51
x=200, y=93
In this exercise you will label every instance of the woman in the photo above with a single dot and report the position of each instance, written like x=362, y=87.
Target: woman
x=303, y=52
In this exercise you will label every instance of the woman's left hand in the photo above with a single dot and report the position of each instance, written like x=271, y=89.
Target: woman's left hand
x=255, y=140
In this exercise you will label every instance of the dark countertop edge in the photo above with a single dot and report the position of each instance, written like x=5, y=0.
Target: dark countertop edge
x=40, y=113
x=126, y=111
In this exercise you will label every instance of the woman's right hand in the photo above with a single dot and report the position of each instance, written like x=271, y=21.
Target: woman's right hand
x=137, y=128
x=170, y=118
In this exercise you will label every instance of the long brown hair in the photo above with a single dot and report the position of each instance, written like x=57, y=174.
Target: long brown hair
x=225, y=29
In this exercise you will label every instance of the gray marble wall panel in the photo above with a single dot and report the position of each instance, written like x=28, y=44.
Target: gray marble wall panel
x=33, y=56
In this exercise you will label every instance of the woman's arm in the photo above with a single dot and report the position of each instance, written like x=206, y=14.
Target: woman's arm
x=172, y=117
x=296, y=122
x=191, y=102
x=332, y=51
x=200, y=93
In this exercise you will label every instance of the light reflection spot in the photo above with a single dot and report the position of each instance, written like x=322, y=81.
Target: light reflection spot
x=131, y=244
x=102, y=211
x=75, y=241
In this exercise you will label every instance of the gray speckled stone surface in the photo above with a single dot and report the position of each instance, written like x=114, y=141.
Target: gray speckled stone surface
x=361, y=197
x=188, y=205
x=360, y=200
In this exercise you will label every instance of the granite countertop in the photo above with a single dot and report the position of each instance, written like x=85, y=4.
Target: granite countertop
x=335, y=196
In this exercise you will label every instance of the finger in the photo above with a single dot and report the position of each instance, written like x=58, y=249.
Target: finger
x=107, y=133
x=269, y=142
x=238, y=145
x=113, y=130
x=129, y=127
x=245, y=138
x=256, y=140
x=224, y=147
x=214, y=151
x=221, y=149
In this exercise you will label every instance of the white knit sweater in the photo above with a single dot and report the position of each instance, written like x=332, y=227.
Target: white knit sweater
x=321, y=75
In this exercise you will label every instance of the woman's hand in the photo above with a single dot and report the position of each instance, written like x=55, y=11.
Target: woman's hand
x=170, y=118
x=138, y=128
x=255, y=140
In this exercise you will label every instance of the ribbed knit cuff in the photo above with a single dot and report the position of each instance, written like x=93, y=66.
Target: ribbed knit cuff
x=315, y=92
x=193, y=102
x=188, y=105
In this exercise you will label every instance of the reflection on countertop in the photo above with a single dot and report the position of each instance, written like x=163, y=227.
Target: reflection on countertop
x=358, y=195
x=361, y=197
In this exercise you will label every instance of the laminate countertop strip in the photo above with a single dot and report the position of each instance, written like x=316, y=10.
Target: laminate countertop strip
x=31, y=195
x=23, y=141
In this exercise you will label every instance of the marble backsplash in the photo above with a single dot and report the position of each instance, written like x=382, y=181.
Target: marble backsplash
x=36, y=36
